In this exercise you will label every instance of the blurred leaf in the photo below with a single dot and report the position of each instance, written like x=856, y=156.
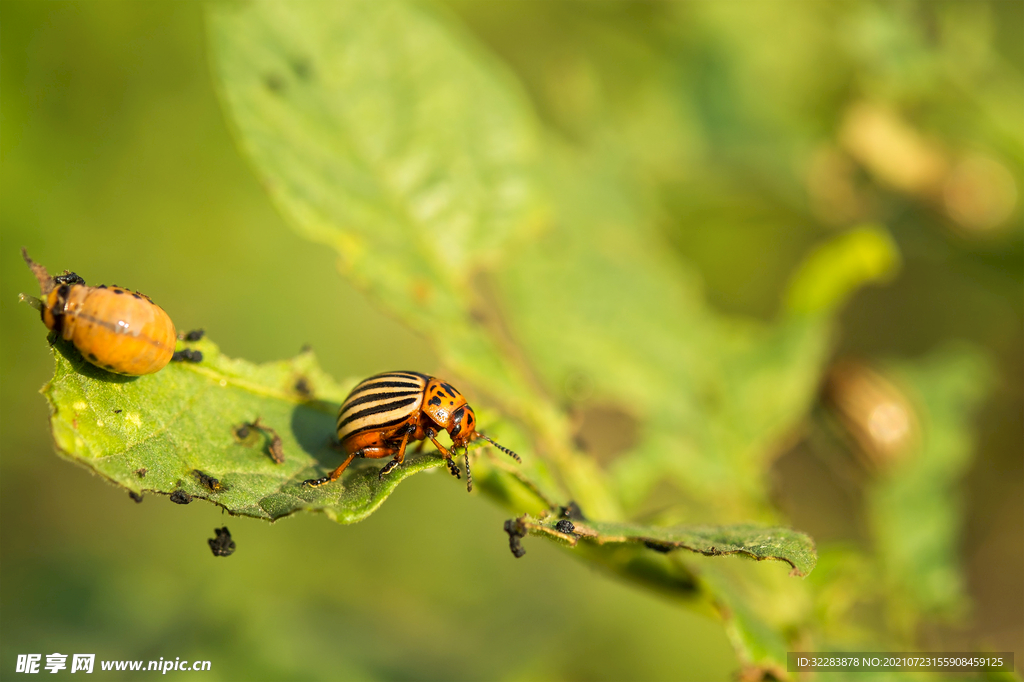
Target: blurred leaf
x=837, y=268
x=757, y=542
x=379, y=131
x=179, y=428
x=914, y=509
x=714, y=396
x=757, y=643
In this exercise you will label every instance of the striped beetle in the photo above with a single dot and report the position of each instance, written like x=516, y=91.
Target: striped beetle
x=384, y=413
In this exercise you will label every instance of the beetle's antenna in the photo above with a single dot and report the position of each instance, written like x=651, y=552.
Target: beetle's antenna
x=469, y=476
x=45, y=281
x=501, y=447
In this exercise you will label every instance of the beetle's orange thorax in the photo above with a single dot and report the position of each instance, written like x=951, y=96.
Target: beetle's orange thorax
x=447, y=408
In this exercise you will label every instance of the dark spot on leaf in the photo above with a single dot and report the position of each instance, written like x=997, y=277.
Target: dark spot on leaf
x=135, y=496
x=208, y=481
x=658, y=546
x=180, y=497
x=141, y=473
x=187, y=355
x=195, y=335
x=565, y=526
x=306, y=348
x=302, y=69
x=572, y=511
x=275, y=448
x=222, y=545
x=516, y=531
x=302, y=387
x=118, y=411
x=274, y=83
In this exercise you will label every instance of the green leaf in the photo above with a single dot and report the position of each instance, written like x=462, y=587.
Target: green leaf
x=914, y=508
x=177, y=429
x=380, y=131
x=757, y=542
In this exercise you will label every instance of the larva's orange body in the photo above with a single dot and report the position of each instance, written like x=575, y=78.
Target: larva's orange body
x=386, y=412
x=118, y=330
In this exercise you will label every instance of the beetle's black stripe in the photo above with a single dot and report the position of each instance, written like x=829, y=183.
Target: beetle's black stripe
x=377, y=409
x=362, y=388
x=376, y=427
x=362, y=400
x=418, y=375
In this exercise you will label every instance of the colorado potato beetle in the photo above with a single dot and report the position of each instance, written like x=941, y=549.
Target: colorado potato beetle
x=118, y=330
x=384, y=413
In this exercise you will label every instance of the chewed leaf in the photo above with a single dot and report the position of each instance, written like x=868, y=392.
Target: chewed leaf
x=758, y=542
x=208, y=431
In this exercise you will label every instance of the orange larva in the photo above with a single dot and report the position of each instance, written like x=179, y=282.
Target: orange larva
x=118, y=330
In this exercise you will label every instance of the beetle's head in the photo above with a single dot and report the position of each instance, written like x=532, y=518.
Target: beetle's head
x=463, y=426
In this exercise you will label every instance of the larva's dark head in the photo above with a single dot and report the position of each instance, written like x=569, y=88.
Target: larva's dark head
x=55, y=292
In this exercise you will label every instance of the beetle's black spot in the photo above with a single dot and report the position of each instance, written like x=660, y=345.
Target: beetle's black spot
x=434, y=401
x=136, y=295
x=195, y=335
x=102, y=286
x=118, y=291
x=180, y=497
x=565, y=526
x=135, y=496
x=273, y=83
x=222, y=545
x=92, y=356
x=109, y=368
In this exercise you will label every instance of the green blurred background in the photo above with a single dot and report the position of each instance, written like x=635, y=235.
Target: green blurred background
x=760, y=129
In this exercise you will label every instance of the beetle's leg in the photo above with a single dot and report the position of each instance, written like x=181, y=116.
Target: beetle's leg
x=399, y=458
x=469, y=476
x=452, y=467
x=315, y=482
